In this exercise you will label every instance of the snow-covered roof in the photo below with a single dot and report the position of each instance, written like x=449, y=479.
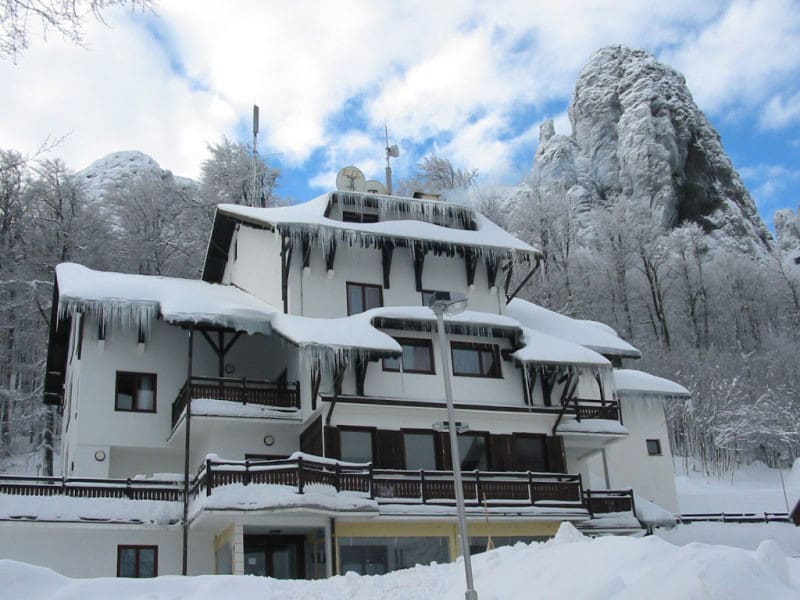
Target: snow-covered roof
x=134, y=299
x=633, y=382
x=416, y=226
x=590, y=334
x=543, y=348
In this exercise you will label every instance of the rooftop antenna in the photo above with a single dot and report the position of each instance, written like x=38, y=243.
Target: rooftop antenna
x=253, y=200
x=391, y=152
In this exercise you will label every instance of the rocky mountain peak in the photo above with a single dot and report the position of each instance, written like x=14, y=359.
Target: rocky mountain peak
x=637, y=132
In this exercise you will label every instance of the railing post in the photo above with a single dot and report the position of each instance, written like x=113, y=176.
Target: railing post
x=422, y=484
x=209, y=480
x=633, y=502
x=371, y=482
x=530, y=487
x=478, y=486
x=300, y=482
x=128, y=491
x=336, y=476
x=246, y=471
x=580, y=486
x=243, y=391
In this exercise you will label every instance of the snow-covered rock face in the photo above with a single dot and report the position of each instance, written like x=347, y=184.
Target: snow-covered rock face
x=637, y=132
x=116, y=171
x=787, y=230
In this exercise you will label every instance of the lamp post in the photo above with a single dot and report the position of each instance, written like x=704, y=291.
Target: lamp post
x=441, y=307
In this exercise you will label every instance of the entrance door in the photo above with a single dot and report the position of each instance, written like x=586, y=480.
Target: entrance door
x=278, y=556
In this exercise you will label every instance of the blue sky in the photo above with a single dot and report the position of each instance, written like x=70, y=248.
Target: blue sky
x=465, y=79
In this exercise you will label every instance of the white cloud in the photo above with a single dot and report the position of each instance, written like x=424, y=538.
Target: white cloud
x=742, y=57
x=450, y=73
x=781, y=111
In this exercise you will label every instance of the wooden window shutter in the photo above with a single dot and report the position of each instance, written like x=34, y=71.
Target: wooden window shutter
x=332, y=446
x=555, y=454
x=390, y=449
x=443, y=459
x=311, y=438
x=500, y=453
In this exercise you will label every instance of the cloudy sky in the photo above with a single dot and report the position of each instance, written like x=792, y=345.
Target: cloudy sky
x=468, y=80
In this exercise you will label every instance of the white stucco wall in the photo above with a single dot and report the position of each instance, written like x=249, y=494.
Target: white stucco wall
x=257, y=267
x=629, y=465
x=90, y=550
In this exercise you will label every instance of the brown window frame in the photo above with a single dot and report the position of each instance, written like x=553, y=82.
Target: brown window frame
x=657, y=442
x=428, y=432
x=538, y=436
x=494, y=348
x=363, y=295
x=138, y=548
x=413, y=342
x=372, y=431
x=486, y=447
x=133, y=409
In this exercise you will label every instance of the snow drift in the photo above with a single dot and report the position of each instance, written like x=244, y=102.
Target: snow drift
x=568, y=566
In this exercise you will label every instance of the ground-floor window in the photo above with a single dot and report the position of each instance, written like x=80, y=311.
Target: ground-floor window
x=137, y=561
x=377, y=555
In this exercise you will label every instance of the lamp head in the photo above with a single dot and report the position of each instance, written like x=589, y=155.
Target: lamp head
x=443, y=303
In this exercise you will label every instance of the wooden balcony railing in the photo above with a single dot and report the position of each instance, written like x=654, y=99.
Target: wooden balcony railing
x=399, y=487
x=132, y=489
x=609, y=501
x=244, y=391
x=597, y=409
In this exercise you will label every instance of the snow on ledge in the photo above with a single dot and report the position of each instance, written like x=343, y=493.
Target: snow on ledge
x=590, y=334
x=94, y=510
x=603, y=426
x=630, y=382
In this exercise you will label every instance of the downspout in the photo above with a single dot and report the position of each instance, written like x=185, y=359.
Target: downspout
x=188, y=413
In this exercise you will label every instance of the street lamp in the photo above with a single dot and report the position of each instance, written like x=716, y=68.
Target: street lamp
x=442, y=306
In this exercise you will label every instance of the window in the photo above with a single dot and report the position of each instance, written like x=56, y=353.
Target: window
x=378, y=555
x=429, y=295
x=654, y=447
x=417, y=357
x=356, y=445
x=363, y=296
x=350, y=216
x=475, y=360
x=472, y=451
x=530, y=453
x=420, y=450
x=137, y=561
x=136, y=392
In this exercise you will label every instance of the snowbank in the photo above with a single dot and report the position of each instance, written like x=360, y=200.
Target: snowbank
x=569, y=566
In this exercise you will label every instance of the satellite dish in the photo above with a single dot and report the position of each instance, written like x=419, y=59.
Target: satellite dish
x=373, y=186
x=350, y=179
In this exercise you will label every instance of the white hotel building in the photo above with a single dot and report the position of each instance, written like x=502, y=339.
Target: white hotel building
x=299, y=385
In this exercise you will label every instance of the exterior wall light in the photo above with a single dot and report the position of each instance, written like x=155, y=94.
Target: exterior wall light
x=100, y=455
x=269, y=440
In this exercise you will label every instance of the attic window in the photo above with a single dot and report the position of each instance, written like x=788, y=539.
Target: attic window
x=349, y=216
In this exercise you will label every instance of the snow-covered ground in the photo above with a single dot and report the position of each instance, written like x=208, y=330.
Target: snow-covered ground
x=752, y=488
x=569, y=566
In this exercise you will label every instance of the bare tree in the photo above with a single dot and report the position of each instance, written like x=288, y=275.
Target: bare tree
x=65, y=17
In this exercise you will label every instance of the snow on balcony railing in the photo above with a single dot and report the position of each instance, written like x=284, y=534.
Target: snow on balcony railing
x=259, y=392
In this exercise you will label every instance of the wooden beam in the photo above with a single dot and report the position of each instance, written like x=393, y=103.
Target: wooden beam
x=306, y=251
x=492, y=267
x=217, y=350
x=387, y=251
x=419, y=264
x=330, y=256
x=230, y=344
x=471, y=263
x=286, y=263
x=361, y=375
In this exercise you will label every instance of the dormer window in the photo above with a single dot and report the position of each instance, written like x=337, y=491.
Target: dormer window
x=349, y=216
x=363, y=296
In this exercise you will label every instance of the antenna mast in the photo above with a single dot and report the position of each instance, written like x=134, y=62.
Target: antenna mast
x=254, y=201
x=391, y=152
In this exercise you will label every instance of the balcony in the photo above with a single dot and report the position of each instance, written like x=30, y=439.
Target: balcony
x=481, y=488
x=596, y=409
x=258, y=392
